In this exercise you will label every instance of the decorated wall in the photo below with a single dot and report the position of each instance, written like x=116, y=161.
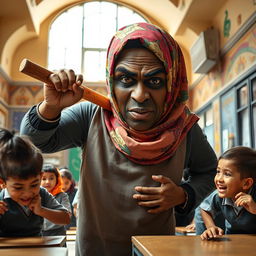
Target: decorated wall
x=240, y=58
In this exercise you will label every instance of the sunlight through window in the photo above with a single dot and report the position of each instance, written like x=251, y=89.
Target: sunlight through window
x=79, y=37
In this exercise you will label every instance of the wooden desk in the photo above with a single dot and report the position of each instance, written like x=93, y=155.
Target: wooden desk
x=50, y=251
x=44, y=241
x=71, y=238
x=71, y=232
x=228, y=245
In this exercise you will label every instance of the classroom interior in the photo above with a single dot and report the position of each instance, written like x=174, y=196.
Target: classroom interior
x=217, y=38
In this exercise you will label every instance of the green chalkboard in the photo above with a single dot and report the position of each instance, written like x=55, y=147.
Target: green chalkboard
x=74, y=162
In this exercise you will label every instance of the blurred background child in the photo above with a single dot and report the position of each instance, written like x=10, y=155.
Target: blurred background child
x=23, y=203
x=235, y=183
x=68, y=186
x=51, y=180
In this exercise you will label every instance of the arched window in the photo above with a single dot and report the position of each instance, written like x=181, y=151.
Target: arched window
x=79, y=37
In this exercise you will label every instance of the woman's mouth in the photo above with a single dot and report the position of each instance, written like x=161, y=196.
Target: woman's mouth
x=140, y=114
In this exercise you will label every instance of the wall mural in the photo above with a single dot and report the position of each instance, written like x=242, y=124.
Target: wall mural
x=226, y=25
x=241, y=57
x=16, y=117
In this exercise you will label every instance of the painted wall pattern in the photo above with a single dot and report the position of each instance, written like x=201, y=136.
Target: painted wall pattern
x=4, y=93
x=241, y=57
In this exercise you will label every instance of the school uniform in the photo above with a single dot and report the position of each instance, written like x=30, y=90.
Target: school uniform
x=20, y=221
x=52, y=229
x=237, y=219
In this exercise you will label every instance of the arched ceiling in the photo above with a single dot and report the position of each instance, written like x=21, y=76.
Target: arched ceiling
x=179, y=17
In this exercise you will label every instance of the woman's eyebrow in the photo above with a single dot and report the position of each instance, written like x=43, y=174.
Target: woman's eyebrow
x=125, y=71
x=155, y=72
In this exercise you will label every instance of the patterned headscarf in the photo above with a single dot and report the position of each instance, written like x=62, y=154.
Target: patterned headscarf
x=161, y=141
x=58, y=187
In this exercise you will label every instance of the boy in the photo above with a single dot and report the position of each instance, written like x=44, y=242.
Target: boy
x=23, y=203
x=235, y=182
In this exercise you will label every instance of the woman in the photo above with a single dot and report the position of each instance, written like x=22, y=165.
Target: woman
x=133, y=156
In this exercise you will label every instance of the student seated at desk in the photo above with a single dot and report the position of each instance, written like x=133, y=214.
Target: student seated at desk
x=235, y=182
x=23, y=203
x=69, y=187
x=208, y=205
x=51, y=180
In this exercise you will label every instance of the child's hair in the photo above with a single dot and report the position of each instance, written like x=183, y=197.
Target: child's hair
x=19, y=157
x=51, y=168
x=244, y=158
x=65, y=172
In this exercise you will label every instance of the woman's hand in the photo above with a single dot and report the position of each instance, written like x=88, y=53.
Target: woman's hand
x=245, y=200
x=212, y=232
x=65, y=91
x=161, y=198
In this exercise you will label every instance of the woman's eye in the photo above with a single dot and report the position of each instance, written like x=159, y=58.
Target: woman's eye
x=18, y=188
x=125, y=79
x=155, y=82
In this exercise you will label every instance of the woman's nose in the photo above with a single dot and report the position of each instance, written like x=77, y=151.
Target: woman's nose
x=140, y=93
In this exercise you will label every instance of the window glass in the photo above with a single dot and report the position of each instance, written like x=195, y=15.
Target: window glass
x=209, y=117
x=206, y=124
x=244, y=128
x=228, y=120
x=242, y=96
x=79, y=37
x=254, y=88
x=254, y=124
x=94, y=66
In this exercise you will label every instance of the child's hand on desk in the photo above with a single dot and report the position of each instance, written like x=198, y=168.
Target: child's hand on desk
x=245, y=200
x=3, y=207
x=35, y=205
x=211, y=233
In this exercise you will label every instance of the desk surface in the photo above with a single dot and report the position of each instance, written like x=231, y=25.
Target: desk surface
x=51, y=251
x=44, y=241
x=71, y=232
x=235, y=245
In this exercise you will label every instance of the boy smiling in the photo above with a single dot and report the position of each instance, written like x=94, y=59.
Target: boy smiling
x=23, y=203
x=235, y=182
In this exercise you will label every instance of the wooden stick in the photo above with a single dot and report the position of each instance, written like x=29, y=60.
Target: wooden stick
x=34, y=70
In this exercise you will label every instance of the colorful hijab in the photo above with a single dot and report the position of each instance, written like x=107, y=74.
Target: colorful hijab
x=161, y=141
x=58, y=187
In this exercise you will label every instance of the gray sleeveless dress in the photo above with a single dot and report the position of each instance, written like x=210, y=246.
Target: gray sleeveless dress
x=109, y=214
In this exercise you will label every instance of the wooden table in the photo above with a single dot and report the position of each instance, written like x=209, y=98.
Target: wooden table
x=71, y=238
x=50, y=251
x=228, y=245
x=71, y=232
x=44, y=241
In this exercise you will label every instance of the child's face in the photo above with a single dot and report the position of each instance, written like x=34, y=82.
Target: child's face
x=23, y=191
x=49, y=181
x=228, y=180
x=66, y=183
